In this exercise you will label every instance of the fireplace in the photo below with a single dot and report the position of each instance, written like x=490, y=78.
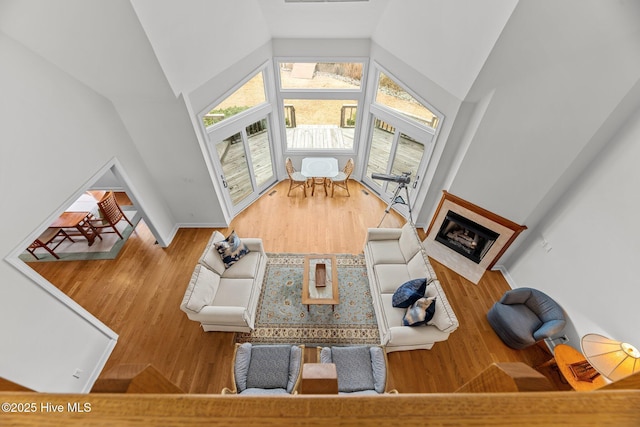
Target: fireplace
x=466, y=237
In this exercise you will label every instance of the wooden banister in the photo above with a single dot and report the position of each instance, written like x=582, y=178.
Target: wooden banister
x=135, y=379
x=6, y=385
x=604, y=408
x=507, y=377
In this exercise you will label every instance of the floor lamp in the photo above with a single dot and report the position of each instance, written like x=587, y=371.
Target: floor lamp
x=613, y=359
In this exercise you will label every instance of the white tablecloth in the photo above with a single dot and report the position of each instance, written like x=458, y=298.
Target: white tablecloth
x=319, y=167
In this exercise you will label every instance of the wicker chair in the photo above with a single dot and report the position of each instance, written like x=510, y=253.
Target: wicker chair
x=111, y=215
x=296, y=179
x=342, y=179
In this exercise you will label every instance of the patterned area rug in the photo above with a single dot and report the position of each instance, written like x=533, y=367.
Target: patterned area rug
x=281, y=317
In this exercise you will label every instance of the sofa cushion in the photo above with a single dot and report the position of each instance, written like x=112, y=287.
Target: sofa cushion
x=386, y=252
x=247, y=268
x=295, y=362
x=241, y=367
x=409, y=292
x=409, y=242
x=391, y=276
x=353, y=365
x=201, y=290
x=231, y=249
x=420, y=312
x=417, y=266
x=210, y=257
x=233, y=293
x=269, y=366
x=379, y=368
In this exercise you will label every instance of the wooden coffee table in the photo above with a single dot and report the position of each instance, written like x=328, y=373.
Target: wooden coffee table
x=328, y=294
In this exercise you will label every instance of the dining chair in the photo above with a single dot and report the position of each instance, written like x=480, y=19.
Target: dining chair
x=111, y=214
x=296, y=179
x=342, y=179
x=47, y=238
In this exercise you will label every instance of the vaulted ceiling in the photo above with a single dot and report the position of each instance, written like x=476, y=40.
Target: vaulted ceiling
x=133, y=48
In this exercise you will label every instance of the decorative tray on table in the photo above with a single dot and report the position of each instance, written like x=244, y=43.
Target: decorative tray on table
x=321, y=275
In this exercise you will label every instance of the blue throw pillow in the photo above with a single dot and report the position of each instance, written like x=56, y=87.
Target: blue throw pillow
x=420, y=312
x=231, y=249
x=409, y=292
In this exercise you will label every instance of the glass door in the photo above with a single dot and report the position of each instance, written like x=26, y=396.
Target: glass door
x=246, y=164
x=396, y=153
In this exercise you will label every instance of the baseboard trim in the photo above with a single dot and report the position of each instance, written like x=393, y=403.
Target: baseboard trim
x=502, y=269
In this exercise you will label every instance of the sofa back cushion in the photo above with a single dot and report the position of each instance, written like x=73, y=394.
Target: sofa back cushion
x=353, y=365
x=269, y=366
x=201, y=290
x=417, y=267
x=409, y=242
x=211, y=257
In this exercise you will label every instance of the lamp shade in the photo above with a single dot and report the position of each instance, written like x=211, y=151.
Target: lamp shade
x=613, y=359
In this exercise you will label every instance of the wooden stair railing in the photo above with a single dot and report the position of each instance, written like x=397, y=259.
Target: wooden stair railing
x=135, y=379
x=507, y=377
x=6, y=385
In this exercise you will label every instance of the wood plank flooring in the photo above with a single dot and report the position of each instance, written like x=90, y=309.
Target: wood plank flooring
x=138, y=295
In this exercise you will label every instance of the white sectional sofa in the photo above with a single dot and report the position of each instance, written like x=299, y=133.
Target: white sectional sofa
x=393, y=257
x=226, y=299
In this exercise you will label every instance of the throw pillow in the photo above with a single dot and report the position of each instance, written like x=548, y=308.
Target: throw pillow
x=420, y=312
x=269, y=366
x=231, y=249
x=409, y=292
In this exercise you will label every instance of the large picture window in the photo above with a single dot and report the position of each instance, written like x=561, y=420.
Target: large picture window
x=249, y=95
x=401, y=137
x=241, y=149
x=319, y=103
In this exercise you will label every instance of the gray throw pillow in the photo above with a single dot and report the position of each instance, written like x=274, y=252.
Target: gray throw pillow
x=353, y=365
x=269, y=366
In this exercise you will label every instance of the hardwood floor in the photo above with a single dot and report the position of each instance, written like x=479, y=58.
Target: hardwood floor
x=139, y=293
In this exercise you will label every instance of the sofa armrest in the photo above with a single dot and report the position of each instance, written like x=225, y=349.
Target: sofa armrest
x=383, y=234
x=254, y=244
x=223, y=315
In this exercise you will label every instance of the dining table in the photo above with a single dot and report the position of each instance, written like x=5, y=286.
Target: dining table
x=78, y=216
x=318, y=170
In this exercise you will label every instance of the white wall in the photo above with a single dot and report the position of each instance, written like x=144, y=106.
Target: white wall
x=55, y=134
x=195, y=40
x=595, y=243
x=553, y=89
x=447, y=41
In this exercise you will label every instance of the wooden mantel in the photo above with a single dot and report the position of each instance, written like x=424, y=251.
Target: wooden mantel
x=508, y=231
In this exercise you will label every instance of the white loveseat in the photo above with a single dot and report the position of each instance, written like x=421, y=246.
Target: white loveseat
x=393, y=257
x=226, y=299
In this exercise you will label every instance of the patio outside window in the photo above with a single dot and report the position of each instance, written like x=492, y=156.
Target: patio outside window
x=320, y=103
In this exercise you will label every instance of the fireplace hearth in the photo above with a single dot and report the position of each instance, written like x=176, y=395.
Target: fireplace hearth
x=466, y=237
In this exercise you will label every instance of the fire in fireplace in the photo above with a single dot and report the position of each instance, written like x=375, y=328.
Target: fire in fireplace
x=466, y=237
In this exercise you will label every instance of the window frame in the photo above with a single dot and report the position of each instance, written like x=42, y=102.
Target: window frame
x=424, y=134
x=237, y=124
x=321, y=94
